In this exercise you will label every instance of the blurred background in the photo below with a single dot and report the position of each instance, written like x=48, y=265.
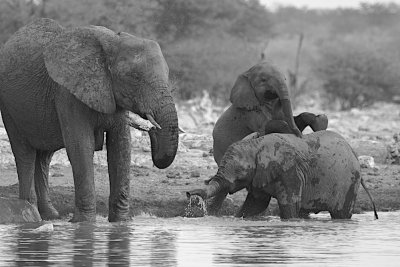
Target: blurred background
x=334, y=58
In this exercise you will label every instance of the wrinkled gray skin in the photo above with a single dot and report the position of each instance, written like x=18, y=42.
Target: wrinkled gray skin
x=64, y=87
x=259, y=95
x=319, y=172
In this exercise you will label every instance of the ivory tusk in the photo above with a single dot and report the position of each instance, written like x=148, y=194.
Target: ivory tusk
x=181, y=130
x=137, y=122
x=153, y=121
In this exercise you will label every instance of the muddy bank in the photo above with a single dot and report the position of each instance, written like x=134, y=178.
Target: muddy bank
x=162, y=192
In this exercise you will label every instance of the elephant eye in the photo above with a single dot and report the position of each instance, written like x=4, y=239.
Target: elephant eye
x=270, y=95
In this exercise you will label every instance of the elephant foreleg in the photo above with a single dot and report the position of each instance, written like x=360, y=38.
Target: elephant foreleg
x=253, y=206
x=45, y=207
x=24, y=155
x=79, y=141
x=289, y=210
x=289, y=202
x=119, y=158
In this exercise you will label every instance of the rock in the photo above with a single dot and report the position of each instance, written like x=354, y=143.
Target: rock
x=14, y=210
x=376, y=149
x=47, y=227
x=366, y=162
x=173, y=174
x=195, y=174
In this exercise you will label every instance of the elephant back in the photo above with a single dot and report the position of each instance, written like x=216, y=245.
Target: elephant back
x=27, y=44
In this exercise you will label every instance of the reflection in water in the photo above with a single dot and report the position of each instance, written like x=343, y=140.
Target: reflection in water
x=118, y=245
x=207, y=241
x=163, y=248
x=83, y=245
x=32, y=248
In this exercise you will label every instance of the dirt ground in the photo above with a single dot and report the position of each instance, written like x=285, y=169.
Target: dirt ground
x=162, y=192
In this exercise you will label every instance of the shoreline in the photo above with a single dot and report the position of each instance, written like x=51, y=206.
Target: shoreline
x=162, y=194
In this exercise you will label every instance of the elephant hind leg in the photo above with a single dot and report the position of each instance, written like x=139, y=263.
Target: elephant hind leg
x=24, y=155
x=253, y=206
x=45, y=207
x=341, y=214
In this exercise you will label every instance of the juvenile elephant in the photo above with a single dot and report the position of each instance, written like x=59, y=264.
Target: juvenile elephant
x=259, y=95
x=319, y=172
x=66, y=87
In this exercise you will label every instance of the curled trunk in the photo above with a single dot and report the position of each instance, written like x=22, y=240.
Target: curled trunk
x=288, y=114
x=164, y=141
x=214, y=194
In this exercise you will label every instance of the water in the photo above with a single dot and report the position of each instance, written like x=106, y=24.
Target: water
x=207, y=241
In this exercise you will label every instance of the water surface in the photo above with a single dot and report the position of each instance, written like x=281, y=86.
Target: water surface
x=208, y=241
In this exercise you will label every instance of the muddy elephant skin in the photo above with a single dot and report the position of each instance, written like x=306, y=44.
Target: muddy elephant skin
x=319, y=172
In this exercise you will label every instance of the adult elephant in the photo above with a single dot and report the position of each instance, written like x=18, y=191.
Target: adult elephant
x=259, y=95
x=319, y=172
x=64, y=87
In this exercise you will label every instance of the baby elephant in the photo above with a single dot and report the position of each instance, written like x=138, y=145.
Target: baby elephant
x=319, y=172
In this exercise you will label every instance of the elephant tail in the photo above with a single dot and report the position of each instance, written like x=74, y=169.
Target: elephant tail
x=370, y=198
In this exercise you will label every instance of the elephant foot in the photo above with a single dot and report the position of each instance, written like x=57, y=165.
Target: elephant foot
x=340, y=214
x=289, y=211
x=83, y=217
x=304, y=214
x=118, y=210
x=48, y=212
x=119, y=216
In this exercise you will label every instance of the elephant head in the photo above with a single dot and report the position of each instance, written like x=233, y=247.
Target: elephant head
x=259, y=88
x=111, y=71
x=235, y=172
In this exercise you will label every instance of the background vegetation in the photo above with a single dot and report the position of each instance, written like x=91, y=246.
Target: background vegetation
x=348, y=57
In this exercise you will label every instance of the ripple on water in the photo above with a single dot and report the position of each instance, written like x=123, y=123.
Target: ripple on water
x=208, y=241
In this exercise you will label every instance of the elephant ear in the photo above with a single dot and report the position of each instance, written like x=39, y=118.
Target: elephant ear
x=77, y=61
x=242, y=94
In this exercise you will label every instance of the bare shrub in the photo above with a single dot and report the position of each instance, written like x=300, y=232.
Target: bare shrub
x=356, y=73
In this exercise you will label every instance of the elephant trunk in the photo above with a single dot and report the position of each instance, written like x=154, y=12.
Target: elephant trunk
x=164, y=138
x=213, y=189
x=287, y=112
x=215, y=193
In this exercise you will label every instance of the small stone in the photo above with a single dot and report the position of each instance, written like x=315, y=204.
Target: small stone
x=365, y=129
x=195, y=174
x=47, y=227
x=366, y=162
x=173, y=174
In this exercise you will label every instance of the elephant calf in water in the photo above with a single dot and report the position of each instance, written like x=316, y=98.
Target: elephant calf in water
x=319, y=172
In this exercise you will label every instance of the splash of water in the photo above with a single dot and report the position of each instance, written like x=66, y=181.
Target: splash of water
x=196, y=207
